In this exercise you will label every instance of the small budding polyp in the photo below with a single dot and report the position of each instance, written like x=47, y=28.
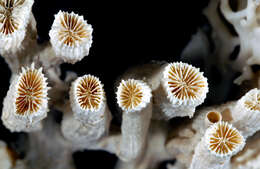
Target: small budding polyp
x=214, y=116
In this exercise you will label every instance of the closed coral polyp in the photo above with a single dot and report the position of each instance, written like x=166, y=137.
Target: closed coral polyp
x=72, y=30
x=30, y=92
x=214, y=116
x=89, y=92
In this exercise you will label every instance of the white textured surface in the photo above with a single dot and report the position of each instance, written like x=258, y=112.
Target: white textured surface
x=134, y=130
x=203, y=159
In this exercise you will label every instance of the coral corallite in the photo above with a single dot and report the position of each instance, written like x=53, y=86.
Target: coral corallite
x=14, y=18
x=31, y=91
x=185, y=84
x=70, y=36
x=133, y=95
x=9, y=22
x=223, y=140
x=89, y=92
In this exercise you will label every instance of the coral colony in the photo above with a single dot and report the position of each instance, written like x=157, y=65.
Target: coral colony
x=217, y=137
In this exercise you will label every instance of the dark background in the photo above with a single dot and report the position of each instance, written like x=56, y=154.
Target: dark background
x=126, y=33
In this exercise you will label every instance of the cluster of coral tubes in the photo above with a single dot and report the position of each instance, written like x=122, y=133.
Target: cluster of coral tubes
x=149, y=98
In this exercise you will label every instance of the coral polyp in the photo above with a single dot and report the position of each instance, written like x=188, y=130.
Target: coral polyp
x=14, y=18
x=71, y=33
x=132, y=95
x=9, y=21
x=89, y=92
x=73, y=29
x=31, y=91
x=222, y=139
x=184, y=83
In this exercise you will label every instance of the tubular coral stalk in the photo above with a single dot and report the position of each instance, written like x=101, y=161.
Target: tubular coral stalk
x=91, y=116
x=183, y=88
x=133, y=97
x=26, y=103
x=220, y=142
x=70, y=36
x=246, y=113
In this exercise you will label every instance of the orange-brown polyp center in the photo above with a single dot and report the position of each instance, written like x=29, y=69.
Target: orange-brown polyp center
x=131, y=95
x=30, y=93
x=9, y=24
x=253, y=104
x=213, y=116
x=89, y=93
x=74, y=29
x=185, y=82
x=225, y=139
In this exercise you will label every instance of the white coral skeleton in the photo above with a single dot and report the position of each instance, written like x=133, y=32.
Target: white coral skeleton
x=150, y=98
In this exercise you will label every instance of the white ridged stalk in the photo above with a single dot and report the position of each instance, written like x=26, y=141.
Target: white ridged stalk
x=220, y=142
x=204, y=159
x=91, y=117
x=135, y=118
